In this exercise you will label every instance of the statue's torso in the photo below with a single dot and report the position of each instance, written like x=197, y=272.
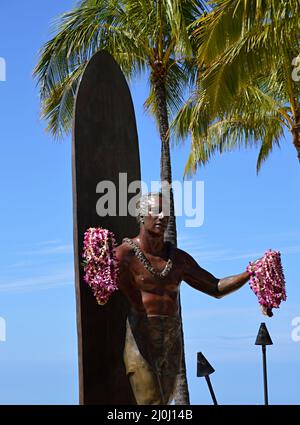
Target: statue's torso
x=147, y=293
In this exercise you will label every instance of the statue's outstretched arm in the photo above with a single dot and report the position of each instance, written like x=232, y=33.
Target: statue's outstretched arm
x=203, y=281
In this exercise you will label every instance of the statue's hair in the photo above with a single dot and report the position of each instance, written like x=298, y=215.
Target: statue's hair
x=142, y=205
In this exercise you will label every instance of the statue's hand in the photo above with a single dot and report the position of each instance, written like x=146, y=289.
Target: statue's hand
x=252, y=265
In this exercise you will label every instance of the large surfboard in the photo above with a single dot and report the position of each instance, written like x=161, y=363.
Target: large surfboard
x=105, y=144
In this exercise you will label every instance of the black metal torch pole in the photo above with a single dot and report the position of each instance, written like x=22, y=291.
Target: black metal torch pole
x=211, y=390
x=264, y=354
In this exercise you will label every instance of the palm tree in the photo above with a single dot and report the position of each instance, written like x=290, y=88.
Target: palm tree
x=142, y=36
x=247, y=91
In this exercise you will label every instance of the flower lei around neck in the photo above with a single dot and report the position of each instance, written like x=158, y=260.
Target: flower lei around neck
x=267, y=281
x=100, y=263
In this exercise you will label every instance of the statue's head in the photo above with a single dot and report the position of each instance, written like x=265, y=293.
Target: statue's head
x=153, y=212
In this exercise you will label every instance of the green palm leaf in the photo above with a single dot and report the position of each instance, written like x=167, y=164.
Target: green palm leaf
x=245, y=90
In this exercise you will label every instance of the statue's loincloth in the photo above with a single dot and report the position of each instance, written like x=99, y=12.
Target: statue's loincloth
x=152, y=356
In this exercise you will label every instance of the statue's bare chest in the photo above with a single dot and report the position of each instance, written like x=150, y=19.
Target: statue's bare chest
x=144, y=279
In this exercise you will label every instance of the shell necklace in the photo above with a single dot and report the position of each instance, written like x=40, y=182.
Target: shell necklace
x=146, y=263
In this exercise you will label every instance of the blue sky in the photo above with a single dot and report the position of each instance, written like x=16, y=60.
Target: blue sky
x=245, y=214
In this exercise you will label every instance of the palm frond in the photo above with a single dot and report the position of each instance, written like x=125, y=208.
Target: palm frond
x=254, y=118
x=239, y=41
x=134, y=32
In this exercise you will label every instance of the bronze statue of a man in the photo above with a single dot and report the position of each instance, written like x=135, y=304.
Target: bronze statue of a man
x=151, y=271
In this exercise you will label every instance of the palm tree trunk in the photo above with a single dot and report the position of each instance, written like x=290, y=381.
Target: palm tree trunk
x=182, y=392
x=296, y=138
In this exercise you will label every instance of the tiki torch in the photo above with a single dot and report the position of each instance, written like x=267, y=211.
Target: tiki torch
x=204, y=369
x=263, y=338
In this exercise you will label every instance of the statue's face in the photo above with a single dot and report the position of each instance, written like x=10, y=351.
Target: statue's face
x=156, y=220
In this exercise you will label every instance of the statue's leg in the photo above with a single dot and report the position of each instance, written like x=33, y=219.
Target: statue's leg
x=170, y=370
x=170, y=360
x=144, y=382
x=152, y=357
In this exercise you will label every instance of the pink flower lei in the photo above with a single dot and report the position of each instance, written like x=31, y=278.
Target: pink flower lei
x=267, y=281
x=100, y=263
